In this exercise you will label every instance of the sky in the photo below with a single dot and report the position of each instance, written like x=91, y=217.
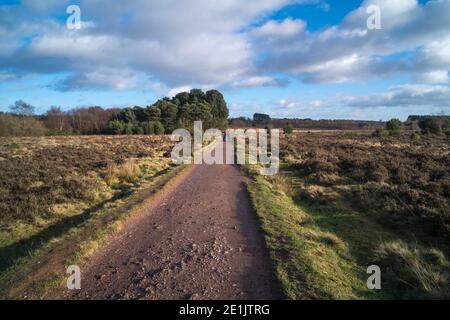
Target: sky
x=289, y=58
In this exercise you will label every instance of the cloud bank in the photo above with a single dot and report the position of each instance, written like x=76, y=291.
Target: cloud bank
x=179, y=44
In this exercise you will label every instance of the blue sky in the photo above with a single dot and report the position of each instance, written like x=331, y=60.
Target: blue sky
x=289, y=58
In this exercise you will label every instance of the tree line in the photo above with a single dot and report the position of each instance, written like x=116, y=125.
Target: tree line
x=164, y=116
x=424, y=124
x=261, y=120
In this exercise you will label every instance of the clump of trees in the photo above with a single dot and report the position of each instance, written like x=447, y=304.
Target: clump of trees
x=11, y=125
x=394, y=126
x=446, y=128
x=22, y=122
x=166, y=114
x=90, y=120
x=429, y=125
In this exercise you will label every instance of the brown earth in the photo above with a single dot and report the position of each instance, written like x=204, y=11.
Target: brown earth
x=200, y=240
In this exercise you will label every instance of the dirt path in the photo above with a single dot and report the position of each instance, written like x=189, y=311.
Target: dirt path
x=200, y=240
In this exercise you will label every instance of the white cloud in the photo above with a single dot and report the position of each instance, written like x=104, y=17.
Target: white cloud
x=174, y=91
x=436, y=76
x=293, y=104
x=259, y=81
x=177, y=42
x=117, y=79
x=410, y=95
x=190, y=43
x=280, y=29
x=414, y=40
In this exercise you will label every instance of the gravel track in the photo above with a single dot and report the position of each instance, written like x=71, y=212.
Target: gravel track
x=198, y=240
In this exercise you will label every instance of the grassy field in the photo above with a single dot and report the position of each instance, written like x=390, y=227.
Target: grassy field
x=341, y=202
x=55, y=190
x=345, y=201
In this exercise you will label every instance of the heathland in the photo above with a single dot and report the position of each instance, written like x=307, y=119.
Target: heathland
x=345, y=201
x=342, y=201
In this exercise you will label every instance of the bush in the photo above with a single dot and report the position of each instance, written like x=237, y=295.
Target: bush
x=429, y=125
x=350, y=135
x=394, y=126
x=129, y=128
x=79, y=187
x=129, y=172
x=415, y=136
x=126, y=172
x=288, y=129
x=380, y=133
x=149, y=127
x=446, y=128
x=138, y=130
x=153, y=127
x=159, y=128
x=15, y=146
x=116, y=126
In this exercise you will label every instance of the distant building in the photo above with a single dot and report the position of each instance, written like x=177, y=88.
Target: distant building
x=261, y=117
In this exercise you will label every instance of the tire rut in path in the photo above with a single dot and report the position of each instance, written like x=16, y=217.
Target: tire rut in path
x=200, y=240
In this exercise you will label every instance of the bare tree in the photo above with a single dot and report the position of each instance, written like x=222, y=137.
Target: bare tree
x=57, y=120
x=23, y=109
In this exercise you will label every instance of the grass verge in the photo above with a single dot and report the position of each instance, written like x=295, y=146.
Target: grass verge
x=321, y=249
x=45, y=255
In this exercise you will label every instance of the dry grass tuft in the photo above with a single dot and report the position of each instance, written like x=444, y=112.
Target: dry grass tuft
x=126, y=172
x=412, y=266
x=281, y=183
x=327, y=238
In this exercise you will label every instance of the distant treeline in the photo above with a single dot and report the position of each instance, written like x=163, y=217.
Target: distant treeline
x=90, y=120
x=168, y=114
x=163, y=116
x=261, y=120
